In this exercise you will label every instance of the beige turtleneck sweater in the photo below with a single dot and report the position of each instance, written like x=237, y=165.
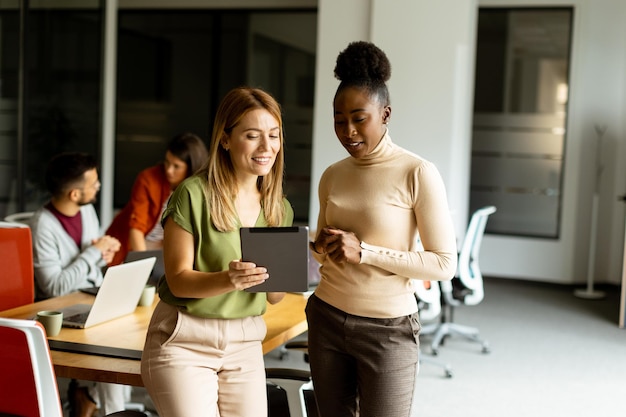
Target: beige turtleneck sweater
x=387, y=198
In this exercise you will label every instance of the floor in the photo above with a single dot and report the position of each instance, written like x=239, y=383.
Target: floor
x=552, y=354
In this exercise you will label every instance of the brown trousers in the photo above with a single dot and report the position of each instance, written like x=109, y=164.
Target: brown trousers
x=362, y=364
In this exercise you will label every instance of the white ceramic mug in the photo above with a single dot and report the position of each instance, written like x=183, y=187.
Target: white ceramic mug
x=147, y=296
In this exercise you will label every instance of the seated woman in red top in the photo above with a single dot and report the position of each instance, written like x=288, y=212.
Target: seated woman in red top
x=137, y=226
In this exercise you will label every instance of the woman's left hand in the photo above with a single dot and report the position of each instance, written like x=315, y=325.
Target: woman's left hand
x=243, y=275
x=342, y=246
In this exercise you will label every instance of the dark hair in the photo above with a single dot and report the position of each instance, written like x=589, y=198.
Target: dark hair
x=189, y=148
x=66, y=170
x=364, y=65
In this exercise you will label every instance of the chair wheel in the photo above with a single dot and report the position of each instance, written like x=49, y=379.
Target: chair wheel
x=486, y=349
x=449, y=373
x=283, y=353
x=434, y=352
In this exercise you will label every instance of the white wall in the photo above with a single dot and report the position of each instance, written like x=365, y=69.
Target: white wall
x=431, y=83
x=431, y=48
x=604, y=87
x=596, y=96
x=338, y=23
x=432, y=86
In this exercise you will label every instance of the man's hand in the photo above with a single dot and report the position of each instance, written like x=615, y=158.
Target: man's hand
x=108, y=246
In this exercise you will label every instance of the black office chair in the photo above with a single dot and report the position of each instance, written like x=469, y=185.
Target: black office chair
x=290, y=393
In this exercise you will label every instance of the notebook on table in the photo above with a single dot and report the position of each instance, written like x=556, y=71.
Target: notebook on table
x=284, y=251
x=118, y=295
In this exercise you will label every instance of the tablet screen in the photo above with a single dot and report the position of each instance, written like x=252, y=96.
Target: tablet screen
x=284, y=251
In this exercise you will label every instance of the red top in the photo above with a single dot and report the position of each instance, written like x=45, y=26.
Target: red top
x=150, y=191
x=73, y=225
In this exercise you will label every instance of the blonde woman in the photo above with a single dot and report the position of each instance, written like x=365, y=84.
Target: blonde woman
x=203, y=353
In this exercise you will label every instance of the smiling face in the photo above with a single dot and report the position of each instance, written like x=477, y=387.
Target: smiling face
x=359, y=121
x=253, y=144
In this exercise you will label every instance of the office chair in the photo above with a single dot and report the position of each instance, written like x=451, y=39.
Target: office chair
x=21, y=217
x=17, y=282
x=28, y=385
x=298, y=389
x=466, y=288
x=428, y=297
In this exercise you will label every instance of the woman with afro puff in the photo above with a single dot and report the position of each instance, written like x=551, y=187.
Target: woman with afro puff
x=363, y=320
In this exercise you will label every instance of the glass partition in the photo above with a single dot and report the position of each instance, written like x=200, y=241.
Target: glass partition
x=9, y=99
x=50, y=69
x=174, y=66
x=520, y=114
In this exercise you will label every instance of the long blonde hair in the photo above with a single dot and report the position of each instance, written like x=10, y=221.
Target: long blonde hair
x=221, y=188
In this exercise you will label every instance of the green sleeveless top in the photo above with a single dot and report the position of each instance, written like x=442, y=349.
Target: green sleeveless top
x=214, y=251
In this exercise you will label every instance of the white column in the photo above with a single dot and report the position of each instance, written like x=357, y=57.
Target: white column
x=109, y=81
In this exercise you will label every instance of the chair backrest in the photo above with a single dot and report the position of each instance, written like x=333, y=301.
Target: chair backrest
x=21, y=217
x=17, y=282
x=28, y=385
x=295, y=382
x=468, y=265
x=428, y=295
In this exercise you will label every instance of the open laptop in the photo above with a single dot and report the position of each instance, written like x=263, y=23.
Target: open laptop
x=117, y=297
x=159, y=267
x=284, y=251
x=157, y=271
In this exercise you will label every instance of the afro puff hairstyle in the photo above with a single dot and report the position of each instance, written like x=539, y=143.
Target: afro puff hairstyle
x=364, y=65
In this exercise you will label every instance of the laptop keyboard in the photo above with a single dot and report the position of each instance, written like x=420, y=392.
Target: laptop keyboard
x=77, y=318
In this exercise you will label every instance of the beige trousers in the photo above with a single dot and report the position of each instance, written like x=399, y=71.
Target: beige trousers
x=192, y=366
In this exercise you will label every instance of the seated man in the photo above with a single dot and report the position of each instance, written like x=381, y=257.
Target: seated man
x=69, y=253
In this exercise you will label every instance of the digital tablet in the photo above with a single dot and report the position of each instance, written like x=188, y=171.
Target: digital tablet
x=284, y=251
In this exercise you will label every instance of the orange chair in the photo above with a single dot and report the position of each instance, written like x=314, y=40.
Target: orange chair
x=28, y=385
x=17, y=282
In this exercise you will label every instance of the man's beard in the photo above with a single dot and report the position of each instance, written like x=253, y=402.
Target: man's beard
x=87, y=202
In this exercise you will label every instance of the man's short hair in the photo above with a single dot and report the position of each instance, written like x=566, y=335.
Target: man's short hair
x=66, y=171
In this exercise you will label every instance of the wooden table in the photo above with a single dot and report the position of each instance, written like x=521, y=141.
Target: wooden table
x=284, y=321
